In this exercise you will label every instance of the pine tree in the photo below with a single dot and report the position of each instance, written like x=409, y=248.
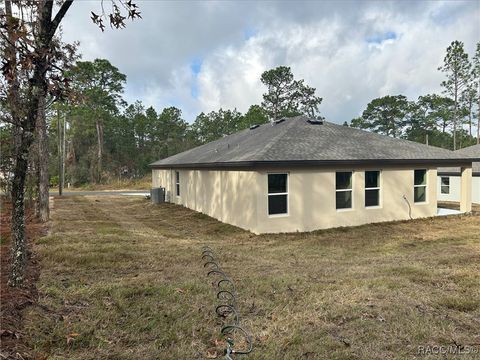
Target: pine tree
x=476, y=85
x=457, y=69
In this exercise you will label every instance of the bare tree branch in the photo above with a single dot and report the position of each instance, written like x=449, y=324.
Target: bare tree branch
x=59, y=16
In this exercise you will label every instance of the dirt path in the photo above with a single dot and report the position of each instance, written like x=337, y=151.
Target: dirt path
x=128, y=216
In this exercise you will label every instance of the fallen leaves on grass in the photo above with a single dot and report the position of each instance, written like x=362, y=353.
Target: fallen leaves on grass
x=71, y=337
x=371, y=316
x=9, y=333
x=212, y=354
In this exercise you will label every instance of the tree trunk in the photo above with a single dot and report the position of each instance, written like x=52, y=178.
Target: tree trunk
x=63, y=150
x=24, y=137
x=60, y=155
x=470, y=105
x=32, y=176
x=478, y=118
x=99, y=148
x=22, y=141
x=455, y=122
x=19, y=248
x=25, y=127
x=43, y=178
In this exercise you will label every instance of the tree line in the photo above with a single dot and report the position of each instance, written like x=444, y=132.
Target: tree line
x=106, y=138
x=445, y=120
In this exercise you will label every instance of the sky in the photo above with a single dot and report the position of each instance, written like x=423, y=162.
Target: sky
x=206, y=55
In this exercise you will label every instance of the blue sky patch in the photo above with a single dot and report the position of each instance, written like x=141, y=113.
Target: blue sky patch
x=196, y=65
x=249, y=33
x=194, y=89
x=379, y=38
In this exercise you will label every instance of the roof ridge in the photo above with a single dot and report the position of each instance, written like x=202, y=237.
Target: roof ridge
x=472, y=151
x=469, y=147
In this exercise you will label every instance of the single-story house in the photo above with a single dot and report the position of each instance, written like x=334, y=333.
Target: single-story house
x=449, y=179
x=301, y=174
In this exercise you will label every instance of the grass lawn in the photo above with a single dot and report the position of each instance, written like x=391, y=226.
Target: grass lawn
x=123, y=279
x=144, y=183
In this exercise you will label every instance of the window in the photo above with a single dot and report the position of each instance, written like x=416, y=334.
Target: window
x=420, y=186
x=343, y=190
x=372, y=188
x=277, y=194
x=445, y=185
x=177, y=182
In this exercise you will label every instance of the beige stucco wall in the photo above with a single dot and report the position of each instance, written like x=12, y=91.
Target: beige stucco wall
x=312, y=200
x=466, y=189
x=240, y=197
x=476, y=189
x=229, y=196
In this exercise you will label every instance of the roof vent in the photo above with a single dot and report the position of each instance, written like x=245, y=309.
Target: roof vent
x=254, y=126
x=315, y=121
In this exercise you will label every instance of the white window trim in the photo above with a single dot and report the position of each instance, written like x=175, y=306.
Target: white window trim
x=379, y=188
x=417, y=186
x=344, y=190
x=284, y=193
x=177, y=184
x=441, y=185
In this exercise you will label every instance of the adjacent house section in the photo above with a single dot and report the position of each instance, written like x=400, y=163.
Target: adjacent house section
x=449, y=178
x=302, y=174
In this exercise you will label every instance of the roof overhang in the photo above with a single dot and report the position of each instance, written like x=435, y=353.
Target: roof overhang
x=455, y=173
x=251, y=165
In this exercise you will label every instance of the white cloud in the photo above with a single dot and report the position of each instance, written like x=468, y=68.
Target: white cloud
x=351, y=52
x=335, y=57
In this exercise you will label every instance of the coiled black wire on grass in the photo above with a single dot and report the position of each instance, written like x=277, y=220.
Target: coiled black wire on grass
x=227, y=308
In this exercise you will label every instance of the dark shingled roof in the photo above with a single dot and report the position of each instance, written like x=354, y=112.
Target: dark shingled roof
x=296, y=142
x=470, y=152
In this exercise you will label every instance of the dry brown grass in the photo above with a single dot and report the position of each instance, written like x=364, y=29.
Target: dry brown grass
x=123, y=279
x=144, y=183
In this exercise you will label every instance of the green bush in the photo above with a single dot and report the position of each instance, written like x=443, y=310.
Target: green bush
x=54, y=181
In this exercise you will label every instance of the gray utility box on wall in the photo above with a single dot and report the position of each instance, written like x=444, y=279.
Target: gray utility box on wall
x=157, y=195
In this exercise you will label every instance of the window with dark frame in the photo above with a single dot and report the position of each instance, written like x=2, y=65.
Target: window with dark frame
x=277, y=194
x=343, y=190
x=420, y=186
x=445, y=184
x=177, y=182
x=372, y=188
